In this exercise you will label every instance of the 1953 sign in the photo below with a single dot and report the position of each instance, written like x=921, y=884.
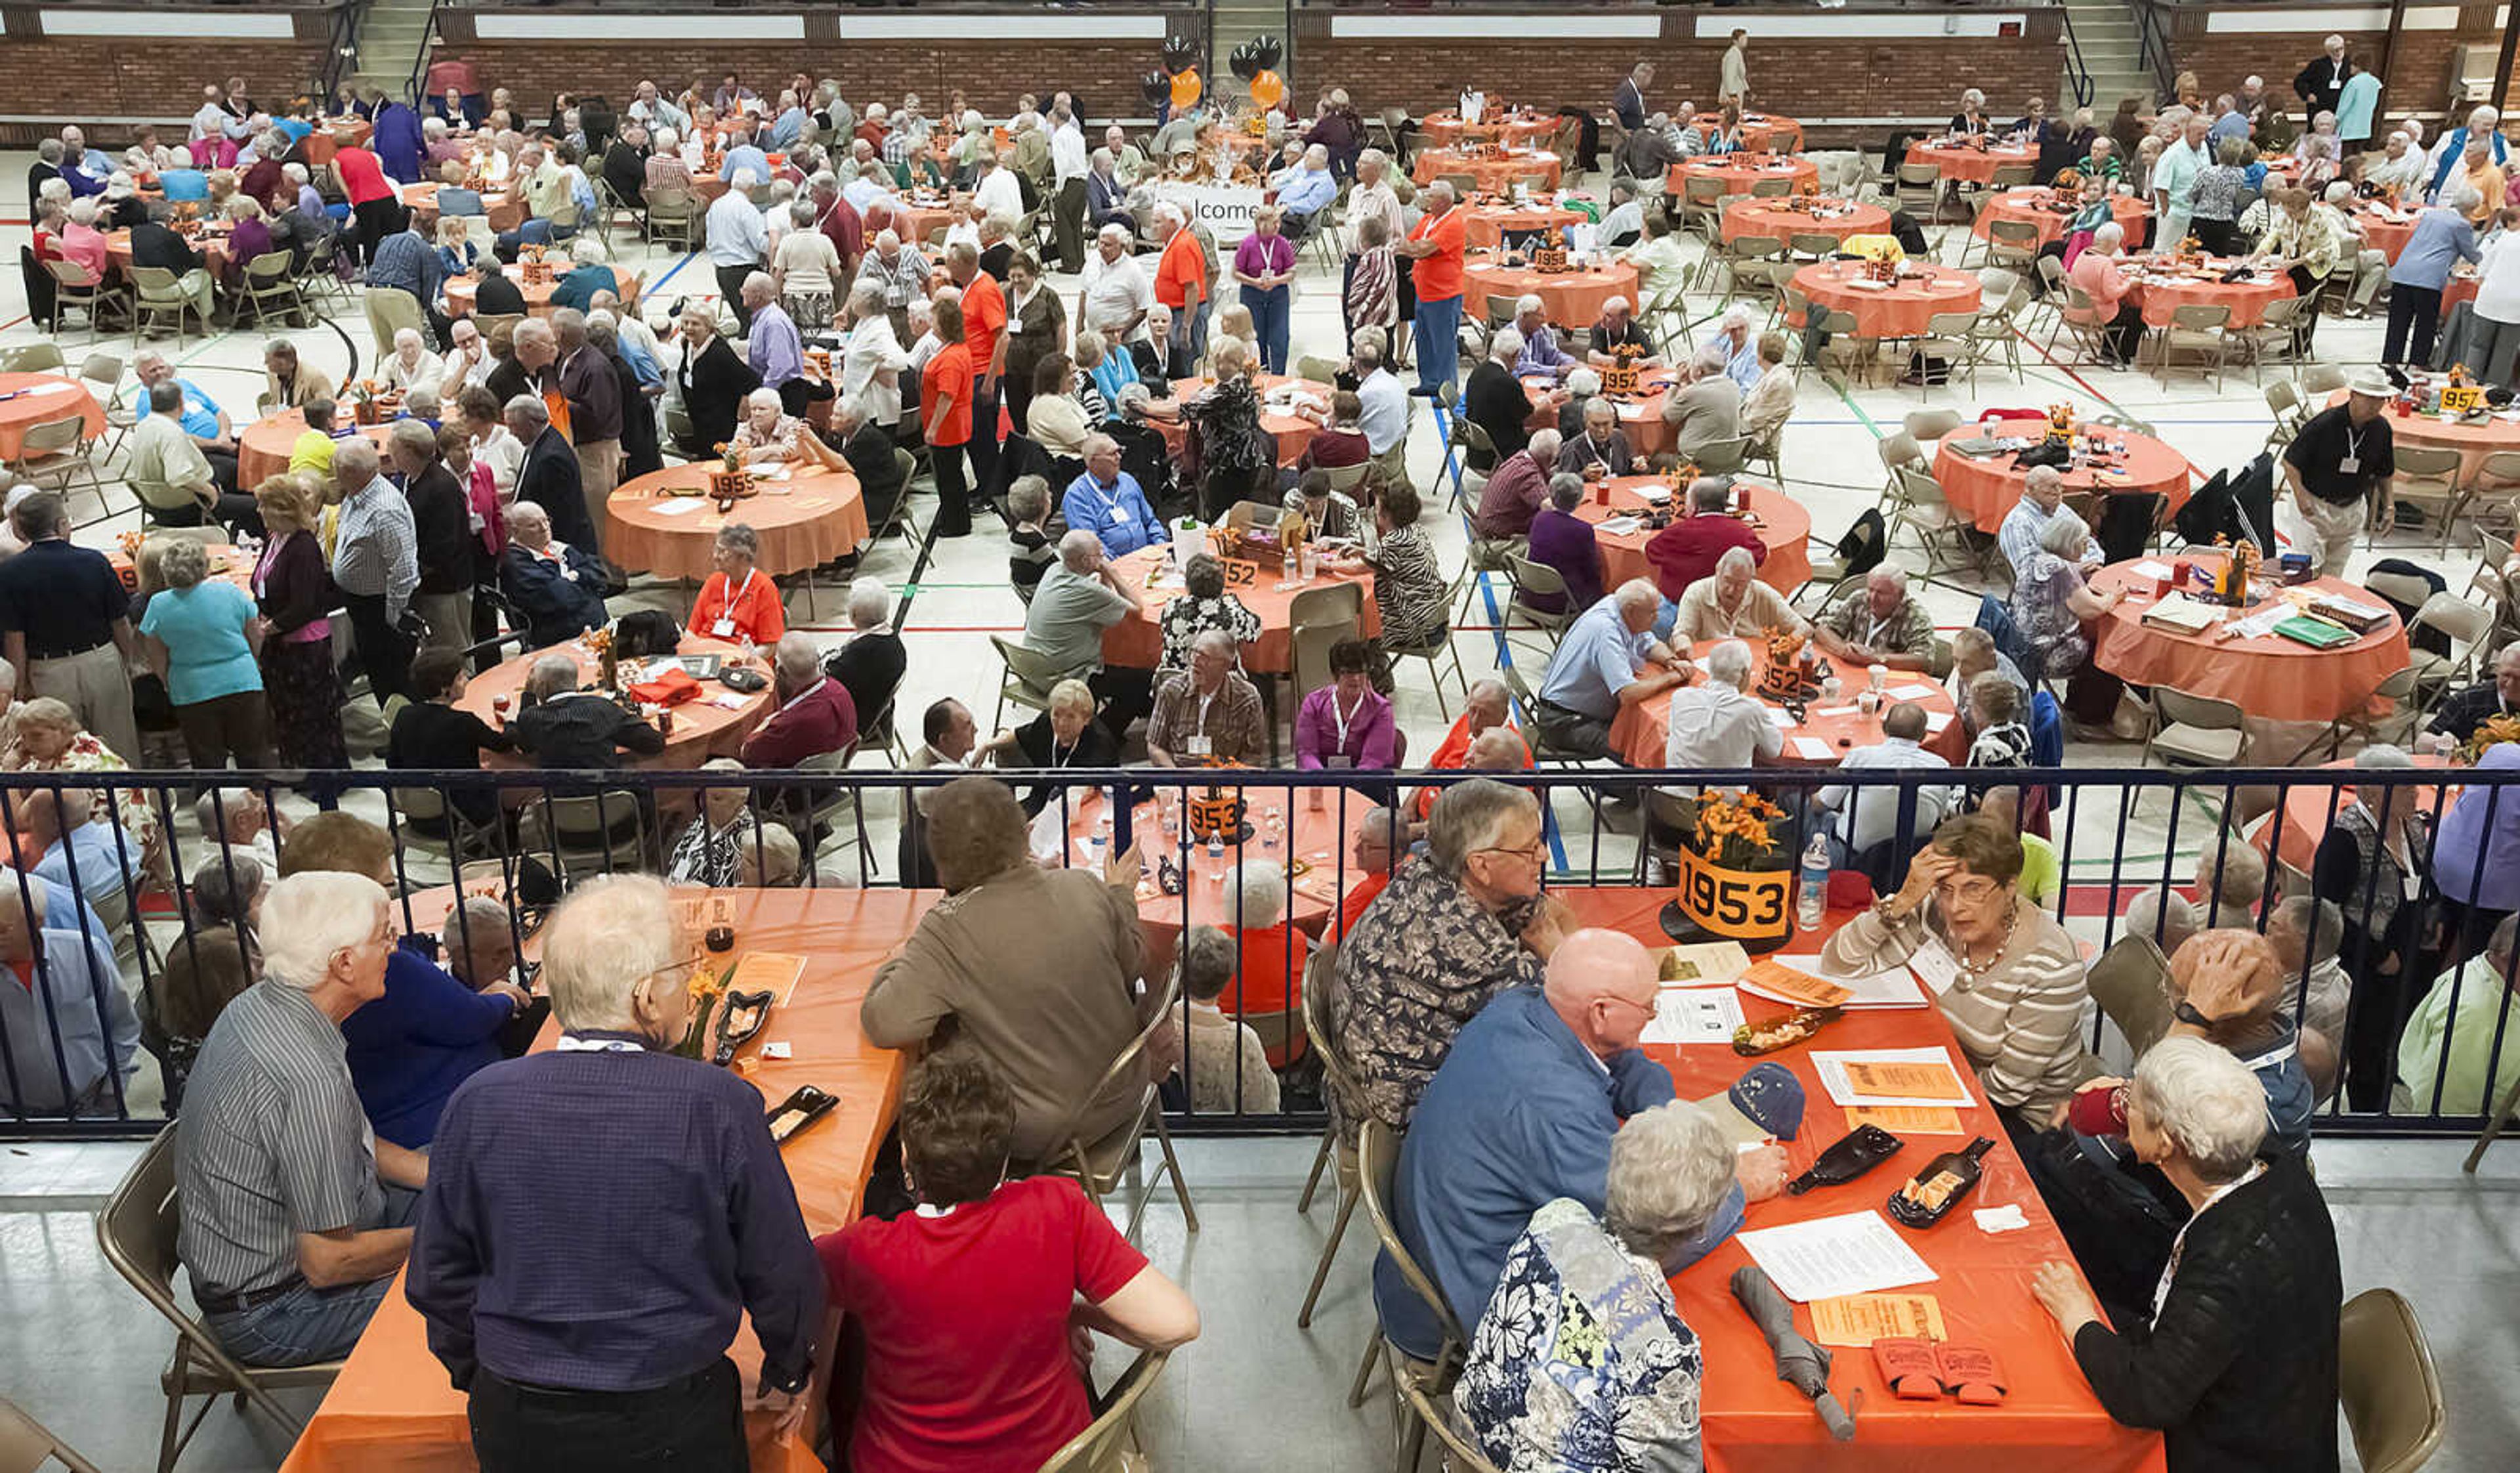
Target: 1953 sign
x=1754, y=907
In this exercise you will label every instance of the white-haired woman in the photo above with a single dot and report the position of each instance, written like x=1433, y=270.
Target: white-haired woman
x=1223, y=1065
x=1237, y=457
x=714, y=846
x=871, y=360
x=738, y=601
x=2051, y=603
x=767, y=434
x=1272, y=950
x=2114, y=311
x=2239, y=1351
x=1063, y=735
x=804, y=269
x=1971, y=118
x=1581, y=1360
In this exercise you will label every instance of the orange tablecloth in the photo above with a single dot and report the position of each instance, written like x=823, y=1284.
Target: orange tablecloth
x=1642, y=734
x=1137, y=641
x=1784, y=526
x=913, y=222
x=1783, y=219
x=39, y=396
x=1986, y=490
x=804, y=521
x=1754, y=1423
x=702, y=728
x=2028, y=203
x=335, y=135
x=228, y=564
x=2269, y=676
x=1900, y=310
x=1494, y=175
x=392, y=1410
x=2247, y=300
x=1294, y=432
x=2386, y=229
x=1485, y=226
x=1740, y=171
x=1571, y=299
x=263, y=447
x=1525, y=129
x=503, y=211
x=1640, y=415
x=537, y=293
x=213, y=249
x=2472, y=440
x=1759, y=132
x=2310, y=810
x=1973, y=165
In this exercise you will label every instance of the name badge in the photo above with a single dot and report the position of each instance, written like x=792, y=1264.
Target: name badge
x=2350, y=465
x=724, y=628
x=1199, y=746
x=1339, y=762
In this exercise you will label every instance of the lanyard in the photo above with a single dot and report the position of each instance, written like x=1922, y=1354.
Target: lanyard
x=2178, y=1245
x=1342, y=717
x=741, y=590
x=573, y=1043
x=803, y=694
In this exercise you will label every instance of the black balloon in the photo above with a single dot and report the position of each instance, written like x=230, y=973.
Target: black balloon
x=1181, y=54
x=1268, y=52
x=1154, y=88
x=1245, y=65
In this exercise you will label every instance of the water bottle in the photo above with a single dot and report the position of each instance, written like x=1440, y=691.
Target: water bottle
x=1813, y=903
x=1215, y=852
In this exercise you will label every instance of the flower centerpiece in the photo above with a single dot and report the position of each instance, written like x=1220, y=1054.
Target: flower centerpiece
x=607, y=664
x=2491, y=732
x=2061, y=423
x=1735, y=873
x=538, y=266
x=1216, y=810
x=2231, y=582
x=727, y=481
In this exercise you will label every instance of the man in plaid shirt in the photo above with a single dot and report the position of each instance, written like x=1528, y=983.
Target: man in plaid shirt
x=375, y=563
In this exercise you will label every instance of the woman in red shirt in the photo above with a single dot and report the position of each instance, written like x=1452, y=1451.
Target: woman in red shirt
x=373, y=201
x=965, y=1304
x=1273, y=955
x=738, y=601
x=2113, y=309
x=945, y=388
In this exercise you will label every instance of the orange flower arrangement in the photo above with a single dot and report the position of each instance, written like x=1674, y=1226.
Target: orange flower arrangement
x=2491, y=732
x=1736, y=832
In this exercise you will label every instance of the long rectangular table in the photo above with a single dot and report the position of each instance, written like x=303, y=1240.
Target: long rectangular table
x=1754, y=1423
x=392, y=1410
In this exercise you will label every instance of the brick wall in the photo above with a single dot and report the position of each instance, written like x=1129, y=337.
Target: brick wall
x=2418, y=78
x=79, y=78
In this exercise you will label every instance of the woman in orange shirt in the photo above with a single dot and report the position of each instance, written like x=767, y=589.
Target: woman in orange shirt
x=945, y=390
x=1273, y=955
x=2113, y=307
x=738, y=601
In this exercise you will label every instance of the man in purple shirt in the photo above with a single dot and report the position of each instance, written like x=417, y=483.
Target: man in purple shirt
x=1566, y=542
x=1542, y=357
x=1515, y=490
x=772, y=345
x=600, y=1218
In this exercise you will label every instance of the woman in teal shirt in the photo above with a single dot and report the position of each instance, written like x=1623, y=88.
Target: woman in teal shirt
x=198, y=637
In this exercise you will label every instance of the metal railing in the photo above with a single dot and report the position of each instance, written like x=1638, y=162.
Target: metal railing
x=341, y=51
x=411, y=87
x=2118, y=835
x=2080, y=70
x=2152, y=37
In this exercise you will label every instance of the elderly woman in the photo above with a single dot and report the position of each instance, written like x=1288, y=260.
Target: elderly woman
x=248, y=236
x=1346, y=725
x=1203, y=605
x=767, y=434
x=196, y=637
x=1110, y=363
x=1971, y=118
x=2216, y=199
x=710, y=849
x=1064, y=735
x=1372, y=296
x=1271, y=952
x=434, y=734
x=457, y=255
x=2308, y=244
x=1032, y=547
x=804, y=268
x=293, y=588
x=2237, y=1362
x=2374, y=863
x=1237, y=457
x=48, y=738
x=2051, y=603
x=1581, y=1350
x=739, y=602
x=1224, y=1066
x=2019, y=994
x=1056, y=417
x=207, y=967
x=1264, y=264
x=1088, y=351
x=1409, y=587
x=1036, y=327
x=1998, y=722
x=871, y=360
x=2320, y=151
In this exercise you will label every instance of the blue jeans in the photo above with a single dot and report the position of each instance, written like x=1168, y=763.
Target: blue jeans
x=307, y=1325
x=1438, y=328
x=1269, y=311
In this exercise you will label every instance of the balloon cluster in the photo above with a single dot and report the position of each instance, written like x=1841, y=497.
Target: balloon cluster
x=1256, y=62
x=1178, y=83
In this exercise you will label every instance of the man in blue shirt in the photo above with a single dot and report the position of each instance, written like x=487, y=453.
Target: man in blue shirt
x=204, y=420
x=1107, y=502
x=406, y=261
x=1480, y=1159
x=742, y=153
x=70, y=1026
x=1303, y=190
x=1609, y=657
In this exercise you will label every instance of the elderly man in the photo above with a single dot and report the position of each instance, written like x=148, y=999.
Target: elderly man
x=1106, y=194
x=2401, y=172
x=1866, y=822
x=1029, y=967
x=1107, y=502
x=1705, y=413
x=2443, y=238
x=202, y=417
x=1306, y=190
x=667, y=172
x=710, y=379
x=536, y=1265
x=548, y=474
x=1541, y=356
x=1494, y=400
x=1209, y=712
x=1116, y=292
x=411, y=367
x=64, y=622
x=444, y=544
x=2457, y=717
x=1078, y=598
x=556, y=587
x=69, y=1030
x=1718, y=724
x=1885, y=624
x=566, y=728
x=2338, y=467
x=1517, y=488
x=815, y=715
x=171, y=464
x=737, y=243
x=596, y=409
x=1434, y=250
x=1487, y=706
x=2043, y=495
x=1602, y=449
x=1618, y=328
x=1382, y=403
x=773, y=349
x=2175, y=175
x=291, y=1230
x=375, y=564
x=1479, y=1160
x=1381, y=837
x=1684, y=554
x=1608, y=658
x=1732, y=604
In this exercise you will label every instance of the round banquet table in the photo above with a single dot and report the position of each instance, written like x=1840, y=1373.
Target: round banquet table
x=213, y=247
x=1902, y=309
x=1571, y=299
x=503, y=209
x=2387, y=228
x=1760, y=132
x=2461, y=288
x=1484, y=227
x=1781, y=219
x=1967, y=163
x=2269, y=676
x=702, y=728
x=537, y=293
x=39, y=397
x=229, y=563
x=2473, y=439
x=1492, y=174
x=2158, y=290
x=1986, y=490
x=1137, y=641
x=1783, y=525
x=334, y=134
x=1515, y=129
x=1640, y=414
x=263, y=446
x=2028, y=203
x=805, y=521
x=2310, y=810
x=912, y=220
x=1292, y=432
x=1740, y=171
x=1642, y=735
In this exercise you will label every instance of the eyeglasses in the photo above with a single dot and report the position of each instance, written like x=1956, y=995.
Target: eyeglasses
x=1645, y=1009
x=1535, y=852
x=1975, y=890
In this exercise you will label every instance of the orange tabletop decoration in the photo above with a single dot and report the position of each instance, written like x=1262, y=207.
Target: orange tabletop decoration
x=35, y=398
x=1640, y=414
x=2269, y=676
x=1967, y=161
x=1294, y=432
x=503, y=209
x=1986, y=490
x=1570, y=298
x=1494, y=173
x=1900, y=310
x=1782, y=526
x=2158, y=286
x=1137, y=641
x=2473, y=439
x=1781, y=218
x=1642, y=734
x=263, y=446
x=393, y=1409
x=229, y=563
x=2031, y=203
x=702, y=728
x=1761, y=133
x=1484, y=226
x=2310, y=809
x=1740, y=171
x=806, y=520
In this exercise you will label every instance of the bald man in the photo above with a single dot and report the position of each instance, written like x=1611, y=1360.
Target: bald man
x=1479, y=1160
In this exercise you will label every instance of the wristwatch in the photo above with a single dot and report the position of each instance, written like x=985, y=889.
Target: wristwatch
x=2185, y=1012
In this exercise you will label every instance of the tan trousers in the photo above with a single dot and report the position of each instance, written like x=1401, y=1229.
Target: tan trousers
x=449, y=616
x=95, y=684
x=2338, y=527
x=598, y=469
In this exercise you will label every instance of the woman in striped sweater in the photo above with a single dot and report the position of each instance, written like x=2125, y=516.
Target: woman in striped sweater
x=2019, y=1005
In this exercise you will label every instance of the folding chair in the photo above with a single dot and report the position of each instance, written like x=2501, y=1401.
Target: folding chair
x=1101, y=1166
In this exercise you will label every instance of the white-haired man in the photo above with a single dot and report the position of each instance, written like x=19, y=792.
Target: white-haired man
x=1607, y=660
x=1706, y=411
x=1541, y=356
x=375, y=564
x=2401, y=169
x=816, y=715
x=1116, y=292
x=2323, y=81
x=292, y=1224
x=1306, y=190
x=1716, y=724
x=737, y=243
x=1434, y=250
x=2043, y=495
x=1731, y=603
x=1884, y=625
x=585, y=1297
x=1209, y=712
x=1078, y=598
x=1517, y=488
x=1494, y=399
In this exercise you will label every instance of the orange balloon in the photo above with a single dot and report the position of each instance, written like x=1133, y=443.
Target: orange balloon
x=1268, y=89
x=1186, y=87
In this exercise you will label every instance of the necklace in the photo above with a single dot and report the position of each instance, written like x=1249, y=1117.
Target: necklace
x=1971, y=971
